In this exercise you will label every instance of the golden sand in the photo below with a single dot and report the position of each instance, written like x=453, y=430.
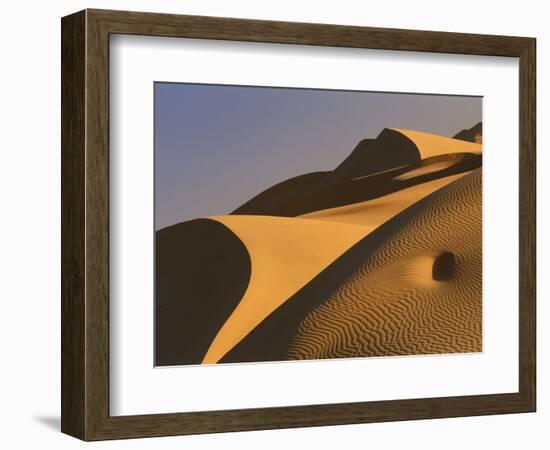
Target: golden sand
x=391, y=304
x=288, y=252
x=432, y=144
x=374, y=213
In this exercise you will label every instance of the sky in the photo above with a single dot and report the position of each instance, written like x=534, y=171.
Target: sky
x=217, y=146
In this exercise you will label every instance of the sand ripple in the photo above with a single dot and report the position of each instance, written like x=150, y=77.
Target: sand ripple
x=391, y=305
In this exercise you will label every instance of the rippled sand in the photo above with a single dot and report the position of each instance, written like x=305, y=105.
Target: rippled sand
x=391, y=304
x=381, y=256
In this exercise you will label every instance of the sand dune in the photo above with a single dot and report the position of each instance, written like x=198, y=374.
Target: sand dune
x=423, y=170
x=380, y=256
x=361, y=188
x=390, y=149
x=474, y=134
x=198, y=264
x=374, y=213
x=391, y=304
x=434, y=165
x=318, y=190
x=286, y=254
x=272, y=200
x=375, y=168
x=430, y=145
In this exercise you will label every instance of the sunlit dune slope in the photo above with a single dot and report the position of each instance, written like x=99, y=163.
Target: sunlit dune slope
x=285, y=254
x=436, y=165
x=429, y=145
x=374, y=213
x=419, y=292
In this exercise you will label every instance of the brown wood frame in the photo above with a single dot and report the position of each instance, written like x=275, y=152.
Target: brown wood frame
x=85, y=224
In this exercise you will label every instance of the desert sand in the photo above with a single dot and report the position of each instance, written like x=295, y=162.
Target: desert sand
x=198, y=263
x=391, y=304
x=285, y=255
x=374, y=168
x=374, y=213
x=432, y=145
x=381, y=256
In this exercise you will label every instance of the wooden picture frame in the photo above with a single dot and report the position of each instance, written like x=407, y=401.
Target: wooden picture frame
x=85, y=224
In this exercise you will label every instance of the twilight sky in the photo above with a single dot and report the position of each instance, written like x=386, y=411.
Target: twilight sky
x=218, y=146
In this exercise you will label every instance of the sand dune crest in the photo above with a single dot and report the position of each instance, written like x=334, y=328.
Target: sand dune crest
x=430, y=145
x=286, y=253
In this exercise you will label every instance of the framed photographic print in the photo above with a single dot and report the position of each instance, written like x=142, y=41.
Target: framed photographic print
x=272, y=224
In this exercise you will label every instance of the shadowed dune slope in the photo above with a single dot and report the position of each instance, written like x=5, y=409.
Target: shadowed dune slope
x=286, y=253
x=474, y=134
x=418, y=293
x=390, y=149
x=275, y=197
x=376, y=167
x=430, y=145
x=202, y=271
x=378, y=185
x=374, y=213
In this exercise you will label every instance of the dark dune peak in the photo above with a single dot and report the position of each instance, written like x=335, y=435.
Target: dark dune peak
x=202, y=272
x=389, y=150
x=474, y=134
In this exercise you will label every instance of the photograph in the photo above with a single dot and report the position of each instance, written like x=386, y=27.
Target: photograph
x=253, y=225
x=296, y=223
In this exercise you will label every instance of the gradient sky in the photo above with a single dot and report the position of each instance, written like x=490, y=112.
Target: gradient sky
x=218, y=146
